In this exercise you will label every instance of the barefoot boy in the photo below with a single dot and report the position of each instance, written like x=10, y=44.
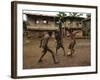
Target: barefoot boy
x=72, y=35
x=59, y=41
x=44, y=44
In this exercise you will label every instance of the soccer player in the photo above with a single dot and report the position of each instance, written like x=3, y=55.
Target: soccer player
x=59, y=41
x=72, y=42
x=44, y=44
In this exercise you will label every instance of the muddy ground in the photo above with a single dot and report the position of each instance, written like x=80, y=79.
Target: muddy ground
x=32, y=53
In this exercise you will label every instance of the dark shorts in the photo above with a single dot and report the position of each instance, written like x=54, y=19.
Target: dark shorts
x=45, y=48
x=72, y=44
x=59, y=44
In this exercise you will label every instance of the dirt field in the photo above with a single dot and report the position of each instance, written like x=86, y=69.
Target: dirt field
x=32, y=53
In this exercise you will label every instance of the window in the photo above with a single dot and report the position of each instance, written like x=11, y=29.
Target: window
x=37, y=21
x=45, y=22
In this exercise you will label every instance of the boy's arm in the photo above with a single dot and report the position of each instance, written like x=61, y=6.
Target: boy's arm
x=41, y=42
x=77, y=32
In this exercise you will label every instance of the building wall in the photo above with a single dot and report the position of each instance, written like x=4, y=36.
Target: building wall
x=86, y=27
x=51, y=24
x=74, y=24
x=39, y=24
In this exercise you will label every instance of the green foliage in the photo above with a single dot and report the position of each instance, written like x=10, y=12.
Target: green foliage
x=75, y=14
x=61, y=14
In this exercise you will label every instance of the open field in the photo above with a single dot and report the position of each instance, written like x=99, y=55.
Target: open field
x=32, y=53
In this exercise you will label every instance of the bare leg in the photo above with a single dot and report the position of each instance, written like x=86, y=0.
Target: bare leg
x=63, y=49
x=56, y=50
x=44, y=52
x=52, y=55
x=72, y=51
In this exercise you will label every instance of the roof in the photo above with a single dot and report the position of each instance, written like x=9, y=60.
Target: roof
x=50, y=16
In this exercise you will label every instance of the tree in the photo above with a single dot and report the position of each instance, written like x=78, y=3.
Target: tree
x=60, y=17
x=75, y=14
x=61, y=14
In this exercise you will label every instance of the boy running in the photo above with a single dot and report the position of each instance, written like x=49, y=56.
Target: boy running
x=44, y=44
x=59, y=41
x=72, y=42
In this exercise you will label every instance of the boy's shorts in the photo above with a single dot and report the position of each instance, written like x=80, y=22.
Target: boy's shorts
x=72, y=44
x=59, y=44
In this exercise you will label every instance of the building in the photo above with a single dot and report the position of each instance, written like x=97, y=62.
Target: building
x=39, y=23
x=86, y=23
